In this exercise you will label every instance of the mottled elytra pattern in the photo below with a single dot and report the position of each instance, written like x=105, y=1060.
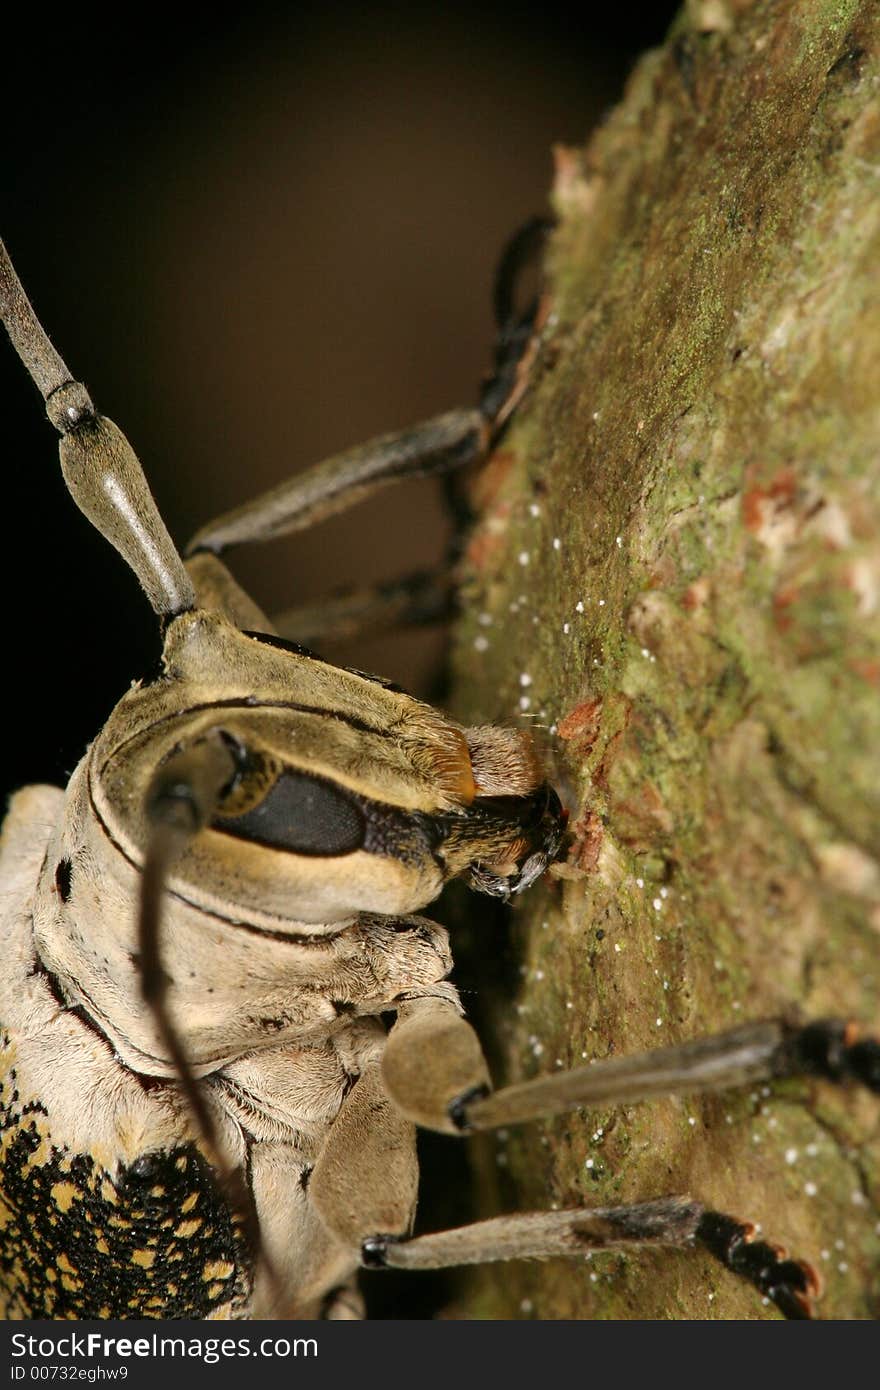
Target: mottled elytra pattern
x=157, y=1241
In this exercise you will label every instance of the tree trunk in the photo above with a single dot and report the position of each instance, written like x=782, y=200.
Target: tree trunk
x=677, y=570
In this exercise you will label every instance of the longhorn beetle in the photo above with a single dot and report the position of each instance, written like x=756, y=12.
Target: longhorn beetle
x=203, y=1111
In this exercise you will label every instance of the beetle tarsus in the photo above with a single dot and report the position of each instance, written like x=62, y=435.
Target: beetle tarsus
x=790, y=1284
x=832, y=1049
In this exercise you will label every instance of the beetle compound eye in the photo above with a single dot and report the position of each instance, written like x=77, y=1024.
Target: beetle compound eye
x=303, y=814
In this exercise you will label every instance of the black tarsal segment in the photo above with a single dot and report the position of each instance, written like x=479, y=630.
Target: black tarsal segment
x=457, y=1108
x=864, y=1063
x=788, y=1283
x=522, y=250
x=373, y=1251
x=824, y=1049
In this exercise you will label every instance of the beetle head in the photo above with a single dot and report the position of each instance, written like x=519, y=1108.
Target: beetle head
x=345, y=794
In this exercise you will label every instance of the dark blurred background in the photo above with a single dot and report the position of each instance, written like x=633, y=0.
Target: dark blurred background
x=258, y=239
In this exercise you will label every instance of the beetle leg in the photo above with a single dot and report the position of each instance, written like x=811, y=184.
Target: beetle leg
x=426, y=596
x=436, y=446
x=753, y=1052
x=435, y=1071
x=679, y=1222
x=440, y=445
x=366, y=1175
x=434, y=1068
x=433, y=1062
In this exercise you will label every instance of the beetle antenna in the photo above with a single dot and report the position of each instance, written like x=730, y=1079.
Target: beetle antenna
x=181, y=801
x=102, y=471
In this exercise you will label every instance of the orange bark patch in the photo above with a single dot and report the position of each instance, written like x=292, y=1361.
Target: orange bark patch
x=783, y=599
x=757, y=501
x=769, y=512
x=694, y=598
x=582, y=723
x=482, y=548
x=603, y=771
x=868, y=670
x=587, y=836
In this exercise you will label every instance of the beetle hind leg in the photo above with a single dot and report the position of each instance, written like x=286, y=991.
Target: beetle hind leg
x=673, y=1222
x=434, y=1070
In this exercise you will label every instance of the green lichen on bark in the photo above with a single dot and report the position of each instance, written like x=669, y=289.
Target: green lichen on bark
x=677, y=569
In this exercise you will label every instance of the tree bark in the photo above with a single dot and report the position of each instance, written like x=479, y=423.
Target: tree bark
x=676, y=571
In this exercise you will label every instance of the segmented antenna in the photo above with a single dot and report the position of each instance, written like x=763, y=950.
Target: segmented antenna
x=102, y=471
x=181, y=800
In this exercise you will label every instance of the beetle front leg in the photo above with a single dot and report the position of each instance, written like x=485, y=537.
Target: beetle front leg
x=366, y=1177
x=765, y=1051
x=433, y=1063
x=434, y=1068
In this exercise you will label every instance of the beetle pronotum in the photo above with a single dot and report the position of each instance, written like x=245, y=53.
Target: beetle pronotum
x=203, y=1111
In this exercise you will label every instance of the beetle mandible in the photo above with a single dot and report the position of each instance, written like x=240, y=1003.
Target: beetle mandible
x=204, y=1114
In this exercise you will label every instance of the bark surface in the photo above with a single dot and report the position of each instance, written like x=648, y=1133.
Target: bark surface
x=677, y=572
